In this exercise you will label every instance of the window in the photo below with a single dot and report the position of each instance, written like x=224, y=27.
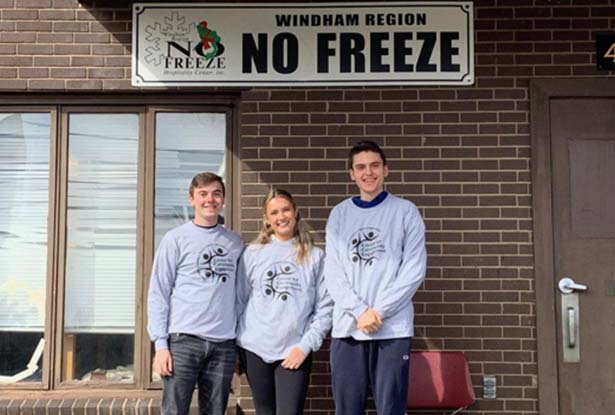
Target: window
x=179, y=156
x=87, y=193
x=25, y=140
x=101, y=238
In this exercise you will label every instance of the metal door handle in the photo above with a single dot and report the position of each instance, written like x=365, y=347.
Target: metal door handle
x=567, y=285
x=572, y=327
x=570, y=324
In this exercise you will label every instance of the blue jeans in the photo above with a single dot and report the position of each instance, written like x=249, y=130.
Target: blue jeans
x=198, y=362
x=379, y=365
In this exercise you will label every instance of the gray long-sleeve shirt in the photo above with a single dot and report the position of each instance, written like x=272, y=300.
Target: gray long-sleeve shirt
x=375, y=258
x=283, y=303
x=192, y=288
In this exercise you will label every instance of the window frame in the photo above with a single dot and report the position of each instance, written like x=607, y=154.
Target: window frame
x=146, y=106
x=51, y=246
x=59, y=356
x=232, y=220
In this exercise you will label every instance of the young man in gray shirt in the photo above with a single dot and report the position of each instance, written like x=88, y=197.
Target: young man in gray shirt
x=191, y=311
x=375, y=261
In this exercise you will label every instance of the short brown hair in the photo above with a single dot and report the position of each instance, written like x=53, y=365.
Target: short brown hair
x=365, y=145
x=205, y=178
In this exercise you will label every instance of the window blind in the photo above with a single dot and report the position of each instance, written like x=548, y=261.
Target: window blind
x=24, y=194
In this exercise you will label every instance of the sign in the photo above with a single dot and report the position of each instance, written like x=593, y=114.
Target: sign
x=605, y=51
x=315, y=44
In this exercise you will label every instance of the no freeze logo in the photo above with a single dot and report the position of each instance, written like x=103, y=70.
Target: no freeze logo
x=177, y=44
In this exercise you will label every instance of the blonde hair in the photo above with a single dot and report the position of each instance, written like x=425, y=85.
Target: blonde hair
x=303, y=238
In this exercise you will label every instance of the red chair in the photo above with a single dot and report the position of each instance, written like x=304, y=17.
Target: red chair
x=439, y=380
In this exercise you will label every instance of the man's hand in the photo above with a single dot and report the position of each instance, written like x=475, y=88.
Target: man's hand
x=294, y=359
x=163, y=362
x=369, y=321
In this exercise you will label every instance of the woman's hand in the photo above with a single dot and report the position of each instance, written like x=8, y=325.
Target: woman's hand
x=294, y=359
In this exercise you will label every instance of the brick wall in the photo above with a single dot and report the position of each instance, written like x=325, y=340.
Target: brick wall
x=463, y=157
x=461, y=154
x=60, y=45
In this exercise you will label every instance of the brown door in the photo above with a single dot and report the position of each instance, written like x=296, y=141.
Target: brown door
x=582, y=132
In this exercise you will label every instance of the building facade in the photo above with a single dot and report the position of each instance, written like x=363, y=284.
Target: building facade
x=513, y=176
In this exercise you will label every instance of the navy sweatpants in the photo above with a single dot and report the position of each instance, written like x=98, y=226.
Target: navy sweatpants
x=381, y=365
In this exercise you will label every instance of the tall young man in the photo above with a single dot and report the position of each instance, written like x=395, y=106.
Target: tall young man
x=375, y=261
x=191, y=305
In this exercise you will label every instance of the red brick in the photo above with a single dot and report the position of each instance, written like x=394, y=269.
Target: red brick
x=57, y=15
x=309, y=153
x=46, y=84
x=275, y=129
x=93, y=14
x=19, y=14
x=33, y=49
x=25, y=73
x=117, y=84
x=36, y=4
x=11, y=84
x=288, y=95
x=6, y=73
x=71, y=49
x=105, y=73
x=8, y=49
x=65, y=73
x=79, y=84
x=361, y=95
x=402, y=94
x=112, y=27
x=383, y=106
x=7, y=26
x=17, y=37
x=345, y=130
x=109, y=49
x=91, y=38
x=304, y=130
x=6, y=60
x=51, y=61
x=328, y=95
x=401, y=118
x=54, y=38
x=123, y=61
x=70, y=27
x=87, y=61
x=33, y=26
x=278, y=107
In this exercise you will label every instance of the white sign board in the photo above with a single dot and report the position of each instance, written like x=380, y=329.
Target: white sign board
x=315, y=44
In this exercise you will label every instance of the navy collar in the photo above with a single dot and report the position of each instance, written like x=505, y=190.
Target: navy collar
x=374, y=202
x=204, y=227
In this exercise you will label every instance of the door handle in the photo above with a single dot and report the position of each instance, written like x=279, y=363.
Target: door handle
x=572, y=327
x=567, y=285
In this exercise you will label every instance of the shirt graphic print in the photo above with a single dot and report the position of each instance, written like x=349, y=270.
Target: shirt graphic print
x=280, y=281
x=365, y=246
x=214, y=264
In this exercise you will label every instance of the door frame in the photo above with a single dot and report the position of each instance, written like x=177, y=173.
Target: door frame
x=542, y=91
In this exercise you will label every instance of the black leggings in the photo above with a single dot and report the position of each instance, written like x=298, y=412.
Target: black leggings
x=275, y=390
